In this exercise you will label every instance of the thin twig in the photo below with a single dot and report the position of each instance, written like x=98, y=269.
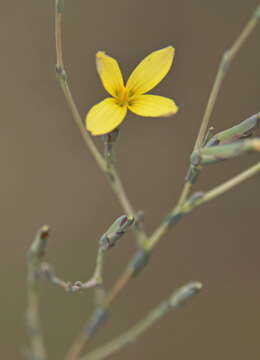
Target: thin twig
x=35, y=254
x=201, y=199
x=226, y=60
x=228, y=185
x=171, y=220
x=110, y=171
x=175, y=301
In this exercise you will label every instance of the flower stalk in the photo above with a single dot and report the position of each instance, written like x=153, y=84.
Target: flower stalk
x=177, y=299
x=110, y=172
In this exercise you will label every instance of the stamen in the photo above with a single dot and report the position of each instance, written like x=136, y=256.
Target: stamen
x=122, y=98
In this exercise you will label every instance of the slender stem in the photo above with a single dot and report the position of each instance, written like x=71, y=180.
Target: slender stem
x=187, y=188
x=228, y=185
x=210, y=195
x=164, y=227
x=110, y=172
x=225, y=62
x=131, y=335
x=172, y=219
x=37, y=348
x=35, y=253
x=175, y=301
x=82, y=339
x=161, y=230
x=228, y=56
x=97, y=278
x=119, y=286
x=77, y=118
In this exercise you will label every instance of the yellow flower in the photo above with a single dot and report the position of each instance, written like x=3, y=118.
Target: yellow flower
x=107, y=115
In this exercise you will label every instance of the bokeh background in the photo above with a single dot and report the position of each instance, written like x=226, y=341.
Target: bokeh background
x=48, y=176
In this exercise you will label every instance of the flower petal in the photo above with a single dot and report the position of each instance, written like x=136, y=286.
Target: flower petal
x=150, y=71
x=105, y=117
x=109, y=73
x=153, y=106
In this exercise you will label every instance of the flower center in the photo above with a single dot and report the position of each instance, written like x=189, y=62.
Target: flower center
x=122, y=97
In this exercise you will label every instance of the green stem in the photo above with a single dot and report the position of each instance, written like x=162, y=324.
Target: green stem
x=226, y=60
x=175, y=301
x=110, y=172
x=35, y=254
x=171, y=220
x=228, y=185
x=210, y=195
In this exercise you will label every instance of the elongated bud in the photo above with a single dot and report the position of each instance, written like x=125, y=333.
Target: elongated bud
x=213, y=154
x=257, y=13
x=59, y=6
x=239, y=131
x=115, y=231
x=208, y=136
x=38, y=247
x=180, y=296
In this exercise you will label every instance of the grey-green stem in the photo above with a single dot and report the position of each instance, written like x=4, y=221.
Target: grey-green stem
x=177, y=299
x=110, y=171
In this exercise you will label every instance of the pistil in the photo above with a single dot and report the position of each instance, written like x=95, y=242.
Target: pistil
x=122, y=98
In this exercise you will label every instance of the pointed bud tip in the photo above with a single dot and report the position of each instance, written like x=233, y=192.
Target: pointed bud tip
x=44, y=231
x=183, y=294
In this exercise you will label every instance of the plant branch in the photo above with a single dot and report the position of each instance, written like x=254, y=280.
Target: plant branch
x=175, y=216
x=110, y=171
x=228, y=185
x=141, y=257
x=178, y=298
x=225, y=62
x=199, y=199
x=34, y=257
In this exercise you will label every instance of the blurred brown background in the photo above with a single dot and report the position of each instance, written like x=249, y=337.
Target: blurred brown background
x=48, y=176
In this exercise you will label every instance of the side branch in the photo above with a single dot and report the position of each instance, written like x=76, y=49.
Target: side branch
x=110, y=172
x=198, y=199
x=228, y=185
x=226, y=60
x=178, y=298
x=34, y=257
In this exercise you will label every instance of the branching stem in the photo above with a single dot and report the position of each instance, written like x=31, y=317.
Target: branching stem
x=176, y=214
x=110, y=171
x=225, y=62
x=183, y=205
x=175, y=301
